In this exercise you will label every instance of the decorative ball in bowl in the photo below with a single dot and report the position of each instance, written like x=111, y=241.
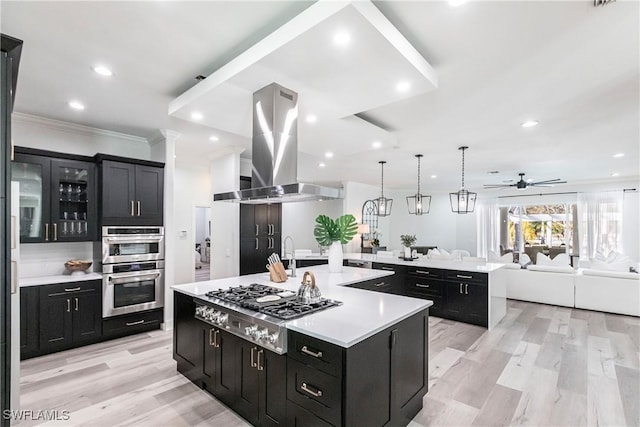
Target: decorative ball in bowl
x=78, y=266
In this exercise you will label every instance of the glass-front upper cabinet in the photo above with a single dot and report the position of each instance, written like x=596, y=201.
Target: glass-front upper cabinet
x=57, y=199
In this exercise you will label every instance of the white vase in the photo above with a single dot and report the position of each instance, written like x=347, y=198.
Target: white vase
x=407, y=252
x=335, y=257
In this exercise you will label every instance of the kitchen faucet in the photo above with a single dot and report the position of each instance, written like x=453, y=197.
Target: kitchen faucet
x=292, y=262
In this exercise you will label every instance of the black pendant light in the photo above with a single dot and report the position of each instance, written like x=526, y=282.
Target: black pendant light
x=463, y=201
x=419, y=203
x=383, y=204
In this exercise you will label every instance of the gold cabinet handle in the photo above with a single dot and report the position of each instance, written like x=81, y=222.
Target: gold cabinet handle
x=14, y=277
x=55, y=231
x=257, y=244
x=253, y=362
x=76, y=301
x=68, y=305
x=419, y=285
x=139, y=322
x=377, y=285
x=460, y=276
x=132, y=208
x=261, y=364
x=422, y=272
x=460, y=287
x=211, y=337
x=72, y=289
x=466, y=289
x=46, y=231
x=138, y=207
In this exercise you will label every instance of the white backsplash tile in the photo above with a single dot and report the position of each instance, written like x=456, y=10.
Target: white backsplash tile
x=47, y=259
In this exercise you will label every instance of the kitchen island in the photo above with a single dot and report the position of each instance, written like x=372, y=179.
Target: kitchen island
x=363, y=362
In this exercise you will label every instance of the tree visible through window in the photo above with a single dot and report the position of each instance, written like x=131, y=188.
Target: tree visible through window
x=541, y=225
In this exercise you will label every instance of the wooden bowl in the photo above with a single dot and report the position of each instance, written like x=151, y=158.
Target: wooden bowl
x=77, y=265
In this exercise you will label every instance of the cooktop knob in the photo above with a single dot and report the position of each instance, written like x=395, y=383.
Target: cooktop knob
x=251, y=330
x=223, y=318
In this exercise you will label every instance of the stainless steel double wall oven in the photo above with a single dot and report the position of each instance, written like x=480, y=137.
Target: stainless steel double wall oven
x=132, y=269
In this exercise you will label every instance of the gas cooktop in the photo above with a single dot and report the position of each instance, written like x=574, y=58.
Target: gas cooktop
x=271, y=301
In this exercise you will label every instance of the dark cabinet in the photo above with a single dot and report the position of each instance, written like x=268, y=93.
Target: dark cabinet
x=243, y=375
x=467, y=297
x=131, y=194
x=327, y=384
x=260, y=236
x=397, y=281
x=427, y=283
x=132, y=323
x=58, y=200
x=29, y=333
x=70, y=313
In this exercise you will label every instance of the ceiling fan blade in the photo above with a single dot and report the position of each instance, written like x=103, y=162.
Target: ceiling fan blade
x=497, y=185
x=549, y=181
x=535, y=184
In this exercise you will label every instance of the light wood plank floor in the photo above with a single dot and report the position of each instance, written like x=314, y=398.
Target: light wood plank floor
x=203, y=272
x=543, y=365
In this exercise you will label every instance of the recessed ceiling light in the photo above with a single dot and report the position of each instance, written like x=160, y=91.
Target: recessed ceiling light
x=103, y=71
x=76, y=105
x=196, y=116
x=615, y=174
x=321, y=165
x=403, y=86
x=530, y=123
x=434, y=176
x=328, y=154
x=376, y=144
x=342, y=38
x=311, y=118
x=214, y=138
x=618, y=155
x=456, y=3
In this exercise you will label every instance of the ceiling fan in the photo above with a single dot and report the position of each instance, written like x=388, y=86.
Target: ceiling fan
x=522, y=184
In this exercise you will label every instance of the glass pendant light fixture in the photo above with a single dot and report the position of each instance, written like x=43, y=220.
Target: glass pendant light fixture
x=419, y=203
x=463, y=201
x=383, y=204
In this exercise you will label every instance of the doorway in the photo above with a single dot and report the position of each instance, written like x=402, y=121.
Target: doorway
x=202, y=244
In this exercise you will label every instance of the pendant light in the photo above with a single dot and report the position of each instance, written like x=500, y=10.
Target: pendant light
x=419, y=203
x=382, y=203
x=463, y=201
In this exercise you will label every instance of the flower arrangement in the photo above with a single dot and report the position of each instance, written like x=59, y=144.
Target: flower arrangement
x=408, y=240
x=375, y=241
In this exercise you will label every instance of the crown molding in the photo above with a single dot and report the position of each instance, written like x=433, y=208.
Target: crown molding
x=62, y=126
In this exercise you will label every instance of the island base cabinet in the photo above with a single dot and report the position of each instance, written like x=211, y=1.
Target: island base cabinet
x=246, y=377
x=380, y=381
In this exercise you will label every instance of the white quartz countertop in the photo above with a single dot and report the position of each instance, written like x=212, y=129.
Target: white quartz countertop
x=362, y=314
x=63, y=278
x=423, y=262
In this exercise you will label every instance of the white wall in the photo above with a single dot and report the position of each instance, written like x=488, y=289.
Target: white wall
x=299, y=219
x=63, y=137
x=192, y=186
x=225, y=218
x=631, y=225
x=47, y=259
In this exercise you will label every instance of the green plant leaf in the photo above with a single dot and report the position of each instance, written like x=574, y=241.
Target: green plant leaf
x=347, y=228
x=325, y=230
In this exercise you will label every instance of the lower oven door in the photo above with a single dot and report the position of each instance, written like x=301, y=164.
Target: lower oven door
x=129, y=292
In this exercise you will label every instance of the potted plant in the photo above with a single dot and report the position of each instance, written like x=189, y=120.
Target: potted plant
x=375, y=241
x=335, y=233
x=407, y=240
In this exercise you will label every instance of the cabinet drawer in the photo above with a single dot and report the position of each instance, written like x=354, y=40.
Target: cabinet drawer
x=319, y=354
x=389, y=267
x=467, y=276
x=417, y=284
x=384, y=284
x=316, y=391
x=300, y=417
x=56, y=290
x=132, y=323
x=426, y=272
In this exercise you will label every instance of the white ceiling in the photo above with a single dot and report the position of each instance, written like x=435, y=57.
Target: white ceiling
x=570, y=65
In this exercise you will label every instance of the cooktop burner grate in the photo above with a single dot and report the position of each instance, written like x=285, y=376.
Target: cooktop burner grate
x=286, y=307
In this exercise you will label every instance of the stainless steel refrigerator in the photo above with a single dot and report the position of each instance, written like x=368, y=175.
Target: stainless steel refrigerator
x=9, y=341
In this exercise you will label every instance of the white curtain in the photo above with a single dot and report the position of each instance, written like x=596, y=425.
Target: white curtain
x=488, y=226
x=600, y=228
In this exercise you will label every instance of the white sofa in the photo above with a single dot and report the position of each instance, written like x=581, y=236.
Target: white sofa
x=610, y=291
x=547, y=287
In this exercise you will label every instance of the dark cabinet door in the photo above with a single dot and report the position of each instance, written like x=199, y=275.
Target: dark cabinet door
x=73, y=201
x=187, y=338
x=261, y=215
x=477, y=308
x=248, y=226
x=219, y=366
x=149, y=194
x=118, y=191
x=274, y=218
x=33, y=173
x=252, y=255
x=248, y=392
x=29, y=324
x=56, y=328
x=455, y=299
x=87, y=316
x=273, y=388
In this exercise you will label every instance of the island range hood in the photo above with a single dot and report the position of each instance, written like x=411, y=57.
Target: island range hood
x=275, y=153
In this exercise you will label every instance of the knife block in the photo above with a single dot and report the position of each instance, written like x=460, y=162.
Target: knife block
x=277, y=272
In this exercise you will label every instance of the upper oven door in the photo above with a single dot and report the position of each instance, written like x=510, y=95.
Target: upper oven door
x=116, y=249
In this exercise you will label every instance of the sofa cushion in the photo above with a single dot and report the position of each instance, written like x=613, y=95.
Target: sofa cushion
x=611, y=273
x=559, y=260
x=432, y=252
x=524, y=261
x=512, y=266
x=552, y=268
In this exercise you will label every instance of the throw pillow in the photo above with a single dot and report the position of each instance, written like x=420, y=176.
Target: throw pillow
x=524, y=260
x=542, y=259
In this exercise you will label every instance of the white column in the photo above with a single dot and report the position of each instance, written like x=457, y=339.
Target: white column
x=163, y=149
x=225, y=216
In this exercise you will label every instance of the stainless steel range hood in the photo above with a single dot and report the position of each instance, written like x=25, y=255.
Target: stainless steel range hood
x=275, y=153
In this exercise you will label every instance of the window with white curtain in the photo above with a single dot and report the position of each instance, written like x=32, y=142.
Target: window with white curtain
x=600, y=216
